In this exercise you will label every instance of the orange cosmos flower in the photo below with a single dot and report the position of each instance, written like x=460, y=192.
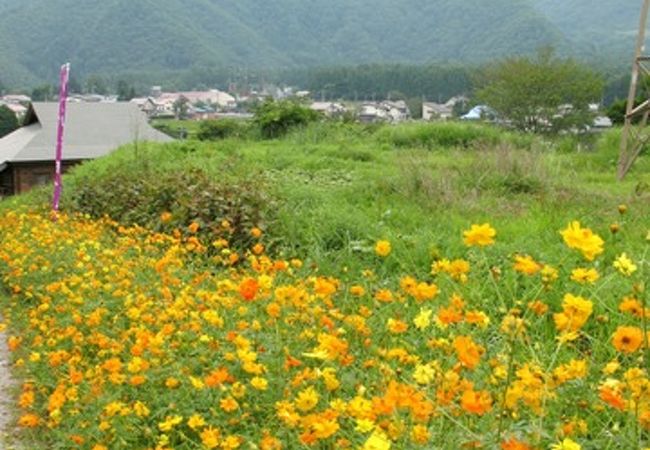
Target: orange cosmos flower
x=165, y=217
x=469, y=353
x=476, y=402
x=248, y=289
x=193, y=227
x=514, y=444
x=627, y=339
x=28, y=421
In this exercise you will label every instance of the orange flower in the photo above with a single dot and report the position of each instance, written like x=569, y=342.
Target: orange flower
x=165, y=217
x=193, y=227
x=397, y=326
x=469, y=353
x=217, y=377
x=248, y=289
x=112, y=365
x=514, y=444
x=612, y=397
x=476, y=402
x=627, y=339
x=28, y=421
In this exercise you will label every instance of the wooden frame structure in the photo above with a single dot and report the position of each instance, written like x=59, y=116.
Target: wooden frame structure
x=635, y=135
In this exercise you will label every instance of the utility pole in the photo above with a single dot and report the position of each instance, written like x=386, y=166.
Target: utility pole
x=635, y=136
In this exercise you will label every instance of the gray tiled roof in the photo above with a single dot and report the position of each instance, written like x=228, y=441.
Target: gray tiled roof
x=92, y=130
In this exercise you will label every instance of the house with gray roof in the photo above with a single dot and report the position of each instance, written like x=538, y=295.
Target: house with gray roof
x=92, y=130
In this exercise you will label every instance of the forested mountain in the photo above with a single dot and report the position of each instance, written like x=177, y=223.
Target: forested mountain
x=171, y=36
x=596, y=29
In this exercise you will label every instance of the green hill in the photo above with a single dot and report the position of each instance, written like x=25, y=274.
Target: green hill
x=172, y=36
x=112, y=36
x=599, y=29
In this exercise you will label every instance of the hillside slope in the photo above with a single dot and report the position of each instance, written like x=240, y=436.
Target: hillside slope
x=597, y=29
x=112, y=36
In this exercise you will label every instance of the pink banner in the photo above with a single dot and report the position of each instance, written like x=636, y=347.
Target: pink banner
x=63, y=97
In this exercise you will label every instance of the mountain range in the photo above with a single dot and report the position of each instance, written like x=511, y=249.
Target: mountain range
x=150, y=36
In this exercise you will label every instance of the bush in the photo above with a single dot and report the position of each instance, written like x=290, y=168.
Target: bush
x=212, y=130
x=276, y=118
x=142, y=196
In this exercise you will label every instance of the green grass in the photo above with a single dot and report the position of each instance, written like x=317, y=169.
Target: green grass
x=339, y=187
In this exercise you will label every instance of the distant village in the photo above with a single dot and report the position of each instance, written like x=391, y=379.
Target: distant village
x=217, y=104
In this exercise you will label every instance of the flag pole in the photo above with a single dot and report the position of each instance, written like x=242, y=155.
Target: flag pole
x=63, y=96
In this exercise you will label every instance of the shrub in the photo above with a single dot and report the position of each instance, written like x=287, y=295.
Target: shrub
x=212, y=130
x=142, y=196
x=276, y=118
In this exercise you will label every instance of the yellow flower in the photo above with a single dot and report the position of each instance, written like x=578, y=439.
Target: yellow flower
x=581, y=275
x=210, y=437
x=169, y=423
x=423, y=319
x=481, y=235
x=575, y=312
x=377, y=441
x=583, y=239
x=527, y=265
x=382, y=248
x=195, y=421
x=259, y=383
x=566, y=444
x=625, y=265
x=424, y=374
x=307, y=399
x=364, y=425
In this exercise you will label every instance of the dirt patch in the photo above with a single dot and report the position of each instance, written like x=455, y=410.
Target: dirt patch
x=7, y=385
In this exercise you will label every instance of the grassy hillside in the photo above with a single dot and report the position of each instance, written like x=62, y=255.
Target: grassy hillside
x=336, y=188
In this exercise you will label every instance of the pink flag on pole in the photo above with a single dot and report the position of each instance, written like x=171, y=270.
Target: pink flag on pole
x=63, y=96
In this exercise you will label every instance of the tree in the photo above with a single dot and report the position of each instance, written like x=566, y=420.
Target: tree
x=125, y=92
x=541, y=94
x=276, y=118
x=95, y=84
x=43, y=93
x=8, y=121
x=181, y=108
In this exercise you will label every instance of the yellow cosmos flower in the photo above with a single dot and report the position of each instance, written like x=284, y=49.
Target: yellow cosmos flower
x=479, y=235
x=566, y=444
x=625, y=265
x=307, y=399
x=195, y=422
x=169, y=423
x=423, y=319
x=210, y=437
x=526, y=265
x=377, y=441
x=382, y=248
x=582, y=276
x=583, y=239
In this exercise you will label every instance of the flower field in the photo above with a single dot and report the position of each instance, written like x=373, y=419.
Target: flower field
x=125, y=338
